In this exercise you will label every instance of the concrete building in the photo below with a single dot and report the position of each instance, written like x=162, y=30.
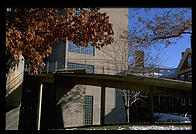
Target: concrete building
x=14, y=80
x=81, y=105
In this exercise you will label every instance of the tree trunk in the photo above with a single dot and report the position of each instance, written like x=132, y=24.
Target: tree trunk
x=128, y=119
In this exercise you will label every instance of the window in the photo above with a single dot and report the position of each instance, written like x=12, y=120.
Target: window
x=183, y=101
x=189, y=61
x=190, y=102
x=89, y=68
x=88, y=119
x=190, y=76
x=182, y=77
x=77, y=10
x=89, y=50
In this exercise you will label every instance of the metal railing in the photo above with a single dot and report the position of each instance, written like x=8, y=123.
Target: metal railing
x=100, y=66
x=103, y=66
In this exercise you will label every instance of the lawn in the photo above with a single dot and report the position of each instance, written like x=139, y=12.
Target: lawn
x=136, y=127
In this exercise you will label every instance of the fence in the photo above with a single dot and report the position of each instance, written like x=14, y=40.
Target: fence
x=103, y=66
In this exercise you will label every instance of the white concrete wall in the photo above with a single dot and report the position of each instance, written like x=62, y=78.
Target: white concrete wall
x=12, y=119
x=72, y=105
x=14, y=93
x=15, y=75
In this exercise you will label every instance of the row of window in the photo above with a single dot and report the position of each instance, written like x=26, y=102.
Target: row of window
x=89, y=50
x=189, y=76
x=89, y=68
x=162, y=100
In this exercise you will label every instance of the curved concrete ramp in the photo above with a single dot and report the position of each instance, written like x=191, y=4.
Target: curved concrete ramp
x=132, y=82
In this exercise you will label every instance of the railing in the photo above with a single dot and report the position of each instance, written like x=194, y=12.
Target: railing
x=102, y=66
x=14, y=83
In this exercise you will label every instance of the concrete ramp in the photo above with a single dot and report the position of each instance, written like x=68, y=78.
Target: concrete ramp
x=14, y=84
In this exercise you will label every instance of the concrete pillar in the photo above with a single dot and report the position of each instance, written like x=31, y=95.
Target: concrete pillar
x=39, y=108
x=102, y=116
x=151, y=108
x=48, y=110
x=28, y=109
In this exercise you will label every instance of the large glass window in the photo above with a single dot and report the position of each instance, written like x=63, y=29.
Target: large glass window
x=89, y=50
x=89, y=68
x=88, y=119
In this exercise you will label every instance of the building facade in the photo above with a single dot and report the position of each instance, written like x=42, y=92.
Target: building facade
x=182, y=72
x=81, y=105
x=164, y=103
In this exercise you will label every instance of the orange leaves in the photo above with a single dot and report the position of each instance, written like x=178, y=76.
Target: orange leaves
x=32, y=31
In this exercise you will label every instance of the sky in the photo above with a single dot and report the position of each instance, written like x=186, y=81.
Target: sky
x=172, y=54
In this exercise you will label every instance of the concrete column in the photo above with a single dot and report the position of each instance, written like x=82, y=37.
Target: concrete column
x=102, y=116
x=151, y=107
x=28, y=109
x=39, y=108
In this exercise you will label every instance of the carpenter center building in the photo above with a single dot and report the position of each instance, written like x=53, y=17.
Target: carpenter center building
x=81, y=105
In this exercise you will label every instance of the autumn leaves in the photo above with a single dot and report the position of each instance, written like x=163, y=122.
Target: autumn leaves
x=31, y=32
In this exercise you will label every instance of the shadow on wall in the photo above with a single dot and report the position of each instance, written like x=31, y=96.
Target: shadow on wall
x=70, y=107
x=118, y=113
x=59, y=113
x=14, y=99
x=14, y=79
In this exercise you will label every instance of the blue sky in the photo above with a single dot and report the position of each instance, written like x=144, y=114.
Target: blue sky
x=172, y=54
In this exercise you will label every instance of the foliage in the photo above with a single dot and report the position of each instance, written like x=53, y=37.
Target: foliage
x=31, y=32
x=151, y=28
x=163, y=26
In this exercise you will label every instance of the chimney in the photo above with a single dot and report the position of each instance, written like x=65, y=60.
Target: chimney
x=182, y=54
x=139, y=58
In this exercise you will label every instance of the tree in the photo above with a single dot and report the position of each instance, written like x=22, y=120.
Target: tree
x=131, y=97
x=159, y=27
x=159, y=30
x=132, y=64
x=31, y=32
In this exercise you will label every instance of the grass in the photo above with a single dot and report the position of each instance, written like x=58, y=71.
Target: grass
x=126, y=127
